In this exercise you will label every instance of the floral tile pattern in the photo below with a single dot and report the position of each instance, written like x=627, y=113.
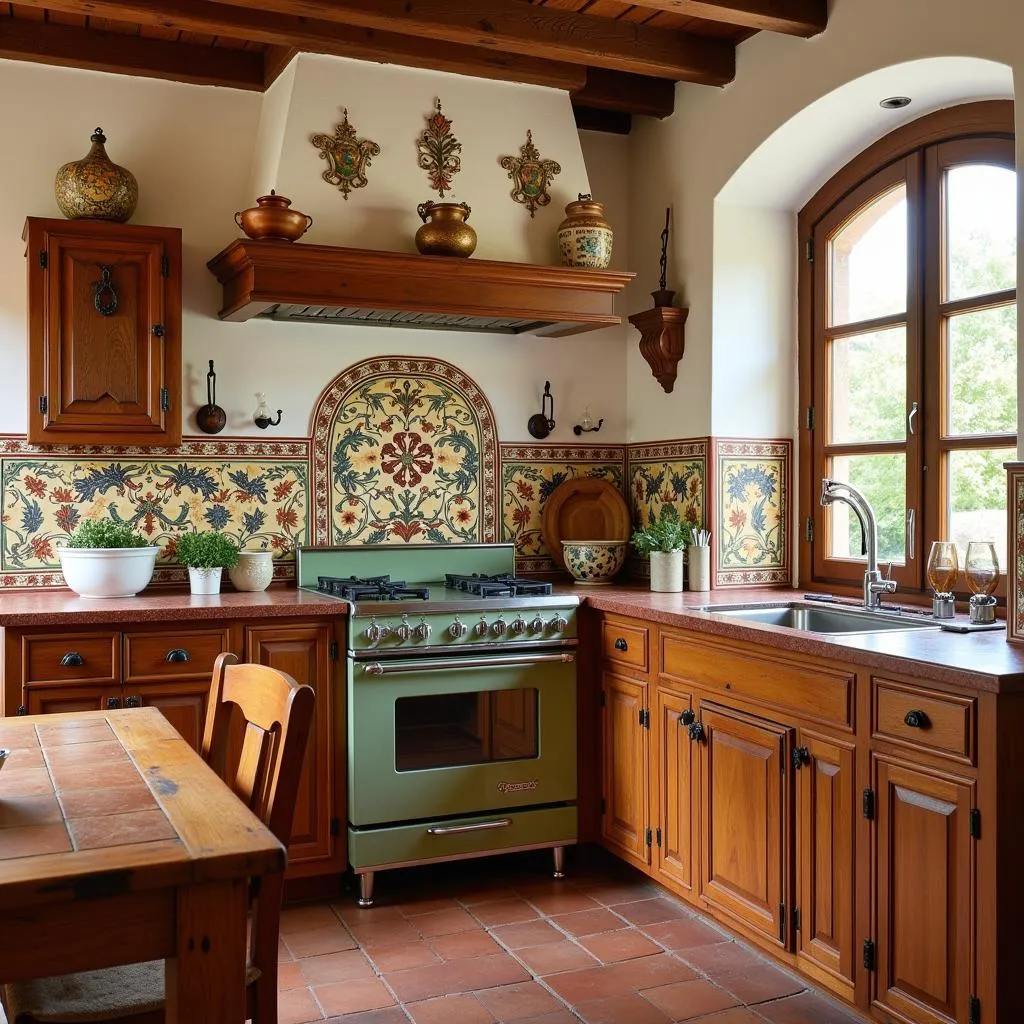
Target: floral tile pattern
x=529, y=473
x=1015, y=572
x=404, y=451
x=255, y=493
x=750, y=531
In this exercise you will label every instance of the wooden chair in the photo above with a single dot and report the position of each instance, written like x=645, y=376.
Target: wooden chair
x=263, y=769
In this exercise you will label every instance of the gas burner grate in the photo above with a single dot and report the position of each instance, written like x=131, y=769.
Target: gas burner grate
x=370, y=588
x=501, y=585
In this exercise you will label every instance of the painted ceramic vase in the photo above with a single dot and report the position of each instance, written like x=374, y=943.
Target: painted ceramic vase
x=95, y=187
x=445, y=231
x=594, y=562
x=584, y=236
x=253, y=571
x=271, y=218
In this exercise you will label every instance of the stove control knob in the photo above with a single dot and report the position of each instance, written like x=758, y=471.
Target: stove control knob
x=422, y=631
x=558, y=623
x=457, y=630
x=374, y=633
x=518, y=625
x=499, y=627
x=481, y=627
x=402, y=632
x=537, y=625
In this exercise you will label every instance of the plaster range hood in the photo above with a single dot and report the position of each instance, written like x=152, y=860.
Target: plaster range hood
x=275, y=280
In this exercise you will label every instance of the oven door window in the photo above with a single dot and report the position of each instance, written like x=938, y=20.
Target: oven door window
x=448, y=729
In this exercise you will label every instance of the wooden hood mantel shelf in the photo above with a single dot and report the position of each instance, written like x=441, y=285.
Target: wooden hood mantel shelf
x=330, y=284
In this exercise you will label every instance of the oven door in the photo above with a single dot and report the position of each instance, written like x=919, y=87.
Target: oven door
x=430, y=737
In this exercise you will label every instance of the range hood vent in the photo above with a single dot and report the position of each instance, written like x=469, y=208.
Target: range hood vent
x=330, y=284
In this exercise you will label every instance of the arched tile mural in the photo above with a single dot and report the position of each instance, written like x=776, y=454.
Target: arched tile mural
x=404, y=451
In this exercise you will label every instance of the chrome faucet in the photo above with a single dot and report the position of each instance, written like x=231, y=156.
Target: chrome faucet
x=874, y=585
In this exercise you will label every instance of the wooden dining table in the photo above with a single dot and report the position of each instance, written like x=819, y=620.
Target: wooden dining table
x=119, y=844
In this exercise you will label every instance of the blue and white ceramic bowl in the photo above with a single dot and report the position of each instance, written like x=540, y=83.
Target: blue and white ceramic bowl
x=594, y=562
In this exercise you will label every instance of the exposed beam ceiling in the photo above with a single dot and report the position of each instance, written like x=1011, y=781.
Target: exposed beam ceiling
x=793, y=17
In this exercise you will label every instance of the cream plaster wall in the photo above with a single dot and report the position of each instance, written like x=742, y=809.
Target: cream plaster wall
x=192, y=151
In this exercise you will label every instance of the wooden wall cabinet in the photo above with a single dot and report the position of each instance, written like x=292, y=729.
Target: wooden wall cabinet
x=104, y=333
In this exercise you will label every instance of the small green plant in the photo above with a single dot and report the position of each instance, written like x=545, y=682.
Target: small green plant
x=666, y=533
x=207, y=550
x=106, y=533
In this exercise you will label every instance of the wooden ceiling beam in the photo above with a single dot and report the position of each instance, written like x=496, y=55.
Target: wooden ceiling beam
x=273, y=29
x=545, y=32
x=793, y=17
x=627, y=94
x=275, y=60
x=66, y=46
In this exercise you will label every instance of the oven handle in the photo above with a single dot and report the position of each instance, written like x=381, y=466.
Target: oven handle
x=376, y=668
x=480, y=826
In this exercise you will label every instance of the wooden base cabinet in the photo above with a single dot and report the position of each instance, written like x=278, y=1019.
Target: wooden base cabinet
x=625, y=818
x=676, y=833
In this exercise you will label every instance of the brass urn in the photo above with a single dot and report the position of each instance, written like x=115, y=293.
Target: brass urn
x=584, y=236
x=95, y=187
x=445, y=231
x=271, y=218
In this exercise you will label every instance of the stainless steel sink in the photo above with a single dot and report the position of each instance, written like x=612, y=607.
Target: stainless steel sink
x=824, y=621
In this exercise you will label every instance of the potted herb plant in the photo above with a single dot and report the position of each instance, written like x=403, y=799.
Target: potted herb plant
x=107, y=558
x=206, y=553
x=664, y=539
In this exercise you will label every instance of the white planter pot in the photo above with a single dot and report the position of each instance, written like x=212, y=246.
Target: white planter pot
x=204, y=581
x=698, y=568
x=667, y=571
x=254, y=571
x=107, y=572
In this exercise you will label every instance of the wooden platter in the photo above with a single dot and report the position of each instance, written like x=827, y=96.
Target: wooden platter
x=584, y=508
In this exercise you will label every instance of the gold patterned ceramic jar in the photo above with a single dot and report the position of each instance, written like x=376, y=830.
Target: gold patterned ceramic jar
x=445, y=231
x=95, y=187
x=584, y=236
x=253, y=572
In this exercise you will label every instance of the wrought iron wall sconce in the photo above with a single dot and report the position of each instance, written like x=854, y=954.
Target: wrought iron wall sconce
x=211, y=418
x=261, y=417
x=586, y=424
x=540, y=424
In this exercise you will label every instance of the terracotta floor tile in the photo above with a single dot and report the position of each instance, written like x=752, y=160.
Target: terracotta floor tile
x=318, y=941
x=518, y=1002
x=306, y=918
x=760, y=982
x=390, y=932
x=556, y=957
x=403, y=956
x=624, y=892
x=589, y=922
x=624, y=1009
x=351, y=914
x=688, y=999
x=467, y=975
x=284, y=954
x=414, y=906
x=504, y=912
x=721, y=958
x=737, y=1015
x=289, y=976
x=684, y=932
x=528, y=933
x=623, y=944
x=353, y=996
x=450, y=1010
x=461, y=944
x=444, y=922
x=650, y=971
x=651, y=911
x=335, y=967
x=567, y=902
x=808, y=1008
x=556, y=1017
x=387, y=1015
x=487, y=894
x=576, y=987
x=296, y=1006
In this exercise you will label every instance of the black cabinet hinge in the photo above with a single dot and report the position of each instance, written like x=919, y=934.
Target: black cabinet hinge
x=975, y=823
x=868, y=804
x=973, y=1010
x=335, y=826
x=801, y=756
x=782, y=922
x=869, y=955
x=809, y=250
x=809, y=418
x=657, y=836
x=44, y=405
x=796, y=919
x=22, y=710
x=165, y=400
x=334, y=650
x=647, y=837
x=604, y=805
x=44, y=260
x=165, y=266
x=645, y=718
x=809, y=530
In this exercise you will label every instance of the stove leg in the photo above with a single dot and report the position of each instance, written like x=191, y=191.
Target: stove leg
x=365, y=889
x=559, y=854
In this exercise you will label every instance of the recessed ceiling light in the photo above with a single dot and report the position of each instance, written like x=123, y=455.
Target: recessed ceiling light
x=895, y=102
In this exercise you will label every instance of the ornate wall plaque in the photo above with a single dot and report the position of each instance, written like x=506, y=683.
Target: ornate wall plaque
x=439, y=148
x=531, y=175
x=347, y=156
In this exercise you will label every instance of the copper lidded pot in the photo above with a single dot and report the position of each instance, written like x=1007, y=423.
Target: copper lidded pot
x=271, y=218
x=445, y=231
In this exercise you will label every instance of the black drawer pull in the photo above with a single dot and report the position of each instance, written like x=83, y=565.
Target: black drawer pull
x=72, y=658
x=113, y=703
x=696, y=731
x=621, y=645
x=916, y=720
x=177, y=654
x=133, y=702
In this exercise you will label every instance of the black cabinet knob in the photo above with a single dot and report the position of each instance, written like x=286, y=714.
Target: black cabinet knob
x=916, y=720
x=177, y=654
x=687, y=717
x=801, y=756
x=113, y=703
x=72, y=658
x=696, y=731
x=621, y=645
x=133, y=702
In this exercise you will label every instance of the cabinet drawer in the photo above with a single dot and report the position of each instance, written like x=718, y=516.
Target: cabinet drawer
x=911, y=716
x=71, y=657
x=172, y=655
x=625, y=643
x=811, y=691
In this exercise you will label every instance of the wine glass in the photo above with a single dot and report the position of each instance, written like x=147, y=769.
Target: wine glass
x=943, y=566
x=981, y=569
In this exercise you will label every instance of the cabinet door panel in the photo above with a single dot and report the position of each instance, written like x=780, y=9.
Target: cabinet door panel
x=826, y=803
x=182, y=704
x=51, y=700
x=625, y=820
x=743, y=811
x=674, y=855
x=924, y=898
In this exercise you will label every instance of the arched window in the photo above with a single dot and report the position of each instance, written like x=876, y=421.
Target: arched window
x=908, y=344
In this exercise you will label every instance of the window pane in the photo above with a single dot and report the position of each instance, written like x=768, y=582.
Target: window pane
x=981, y=230
x=982, y=371
x=976, y=507
x=882, y=480
x=868, y=261
x=869, y=386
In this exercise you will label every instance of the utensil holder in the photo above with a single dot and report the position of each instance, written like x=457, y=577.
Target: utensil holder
x=698, y=561
x=983, y=608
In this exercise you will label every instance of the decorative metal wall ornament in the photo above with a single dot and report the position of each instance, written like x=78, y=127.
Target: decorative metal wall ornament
x=531, y=175
x=439, y=149
x=347, y=156
x=104, y=296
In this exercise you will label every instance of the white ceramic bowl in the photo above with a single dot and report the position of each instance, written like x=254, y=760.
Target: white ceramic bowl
x=107, y=572
x=594, y=562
